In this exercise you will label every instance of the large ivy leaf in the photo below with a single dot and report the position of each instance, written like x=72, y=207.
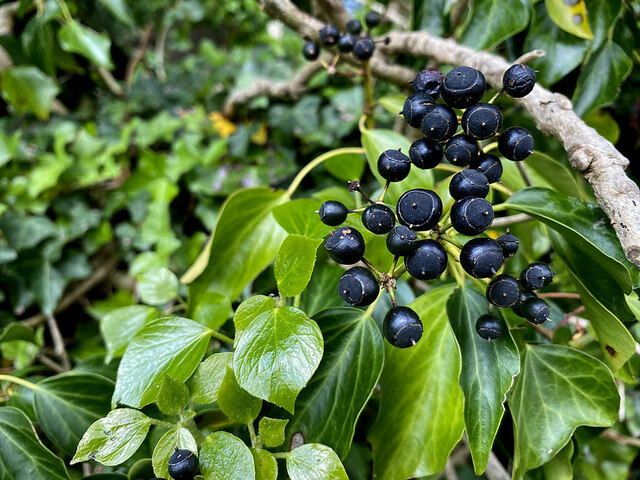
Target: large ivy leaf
x=119, y=326
x=421, y=412
x=346, y=166
x=314, y=461
x=602, y=16
x=245, y=241
x=300, y=217
x=172, y=345
x=248, y=310
x=548, y=172
x=158, y=287
x=585, y=227
x=67, y=404
x=294, y=264
x=320, y=294
x=23, y=231
x=429, y=16
x=113, y=439
x=277, y=355
x=559, y=388
x=329, y=407
x=211, y=309
x=235, y=402
x=600, y=79
x=206, y=380
x=493, y=21
x=27, y=89
x=570, y=17
x=176, y=437
x=225, y=457
x=22, y=455
x=120, y=10
x=77, y=38
x=488, y=369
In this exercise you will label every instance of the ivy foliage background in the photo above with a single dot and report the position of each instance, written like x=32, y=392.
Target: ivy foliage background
x=152, y=252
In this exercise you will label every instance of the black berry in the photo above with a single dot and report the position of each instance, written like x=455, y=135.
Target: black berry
x=536, y=275
x=428, y=81
x=509, y=244
x=488, y=164
x=419, y=209
x=428, y=261
x=468, y=183
x=311, y=51
x=488, y=327
x=515, y=143
x=378, y=218
x=402, y=327
x=393, y=165
x=345, y=245
x=439, y=123
x=503, y=291
x=183, y=465
x=372, y=19
x=329, y=35
x=425, y=154
x=415, y=108
x=358, y=286
x=481, y=121
x=354, y=26
x=346, y=42
x=402, y=240
x=471, y=215
x=460, y=150
x=524, y=296
x=363, y=49
x=519, y=80
x=536, y=310
x=332, y=213
x=481, y=257
x=463, y=86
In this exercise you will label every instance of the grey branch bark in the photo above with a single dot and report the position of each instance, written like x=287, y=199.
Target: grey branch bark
x=589, y=153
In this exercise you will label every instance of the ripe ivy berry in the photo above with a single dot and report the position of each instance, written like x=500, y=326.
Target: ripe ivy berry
x=372, y=19
x=463, y=86
x=515, y=143
x=519, y=80
x=460, y=150
x=363, y=49
x=333, y=213
x=536, y=275
x=183, y=465
x=481, y=257
x=488, y=164
x=354, y=26
x=419, y=209
x=346, y=42
x=468, y=183
x=536, y=310
x=402, y=327
x=311, y=51
x=481, y=121
x=524, y=296
x=488, y=326
x=402, y=240
x=345, y=245
x=425, y=154
x=393, y=165
x=439, y=123
x=509, y=244
x=378, y=218
x=503, y=291
x=415, y=108
x=428, y=261
x=329, y=35
x=428, y=81
x=358, y=287
x=471, y=215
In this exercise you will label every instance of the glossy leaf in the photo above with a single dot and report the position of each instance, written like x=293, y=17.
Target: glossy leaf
x=420, y=418
x=77, y=38
x=560, y=466
x=271, y=431
x=346, y=167
x=211, y=309
x=120, y=10
x=248, y=310
x=277, y=355
x=329, y=406
x=377, y=141
x=17, y=331
x=119, y=326
x=585, y=227
x=429, y=16
x=27, y=89
x=173, y=395
x=206, y=380
x=488, y=369
x=266, y=465
x=22, y=455
x=604, y=124
x=393, y=103
x=602, y=16
x=113, y=439
x=225, y=457
x=546, y=171
x=300, y=217
x=235, y=402
x=493, y=21
x=570, y=17
x=158, y=287
x=321, y=291
x=176, y=437
x=568, y=388
x=294, y=264
x=170, y=345
x=314, y=461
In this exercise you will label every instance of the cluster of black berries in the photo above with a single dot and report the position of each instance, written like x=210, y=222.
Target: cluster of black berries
x=362, y=47
x=183, y=465
x=419, y=237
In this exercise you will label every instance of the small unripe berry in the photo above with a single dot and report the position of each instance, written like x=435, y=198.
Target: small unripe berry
x=536, y=310
x=536, y=275
x=481, y=257
x=346, y=42
x=468, y=183
x=183, y=465
x=439, y=123
x=524, y=296
x=378, y=218
x=428, y=261
x=311, y=51
x=415, y=108
x=402, y=240
x=363, y=49
x=509, y=244
x=354, y=26
x=460, y=150
x=372, y=19
x=329, y=35
x=471, y=215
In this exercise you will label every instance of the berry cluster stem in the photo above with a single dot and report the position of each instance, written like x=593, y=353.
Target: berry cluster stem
x=489, y=147
x=452, y=241
x=372, y=307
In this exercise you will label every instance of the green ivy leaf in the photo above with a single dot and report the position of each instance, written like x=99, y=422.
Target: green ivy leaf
x=158, y=287
x=300, y=217
x=570, y=17
x=121, y=11
x=211, y=309
x=235, y=402
x=22, y=455
x=604, y=124
x=342, y=385
x=420, y=418
x=248, y=310
x=294, y=264
x=429, y=16
x=113, y=439
x=277, y=355
x=225, y=457
x=24, y=232
x=176, y=437
x=266, y=465
x=493, y=21
x=346, y=166
x=17, y=331
x=393, y=103
x=77, y=38
x=119, y=326
x=173, y=395
x=314, y=461
x=206, y=381
x=488, y=369
x=548, y=172
x=271, y=431
x=560, y=466
x=602, y=16
x=172, y=345
x=320, y=294
x=27, y=89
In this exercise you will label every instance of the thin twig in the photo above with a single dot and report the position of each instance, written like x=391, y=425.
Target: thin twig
x=131, y=66
x=58, y=342
x=524, y=174
x=573, y=296
x=109, y=80
x=620, y=438
x=160, y=48
x=511, y=220
x=47, y=362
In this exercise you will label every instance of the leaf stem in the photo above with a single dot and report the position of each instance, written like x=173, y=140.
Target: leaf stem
x=284, y=455
x=372, y=267
x=500, y=207
x=489, y=147
x=19, y=381
x=384, y=192
x=252, y=435
x=221, y=336
x=162, y=423
x=501, y=189
x=452, y=241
